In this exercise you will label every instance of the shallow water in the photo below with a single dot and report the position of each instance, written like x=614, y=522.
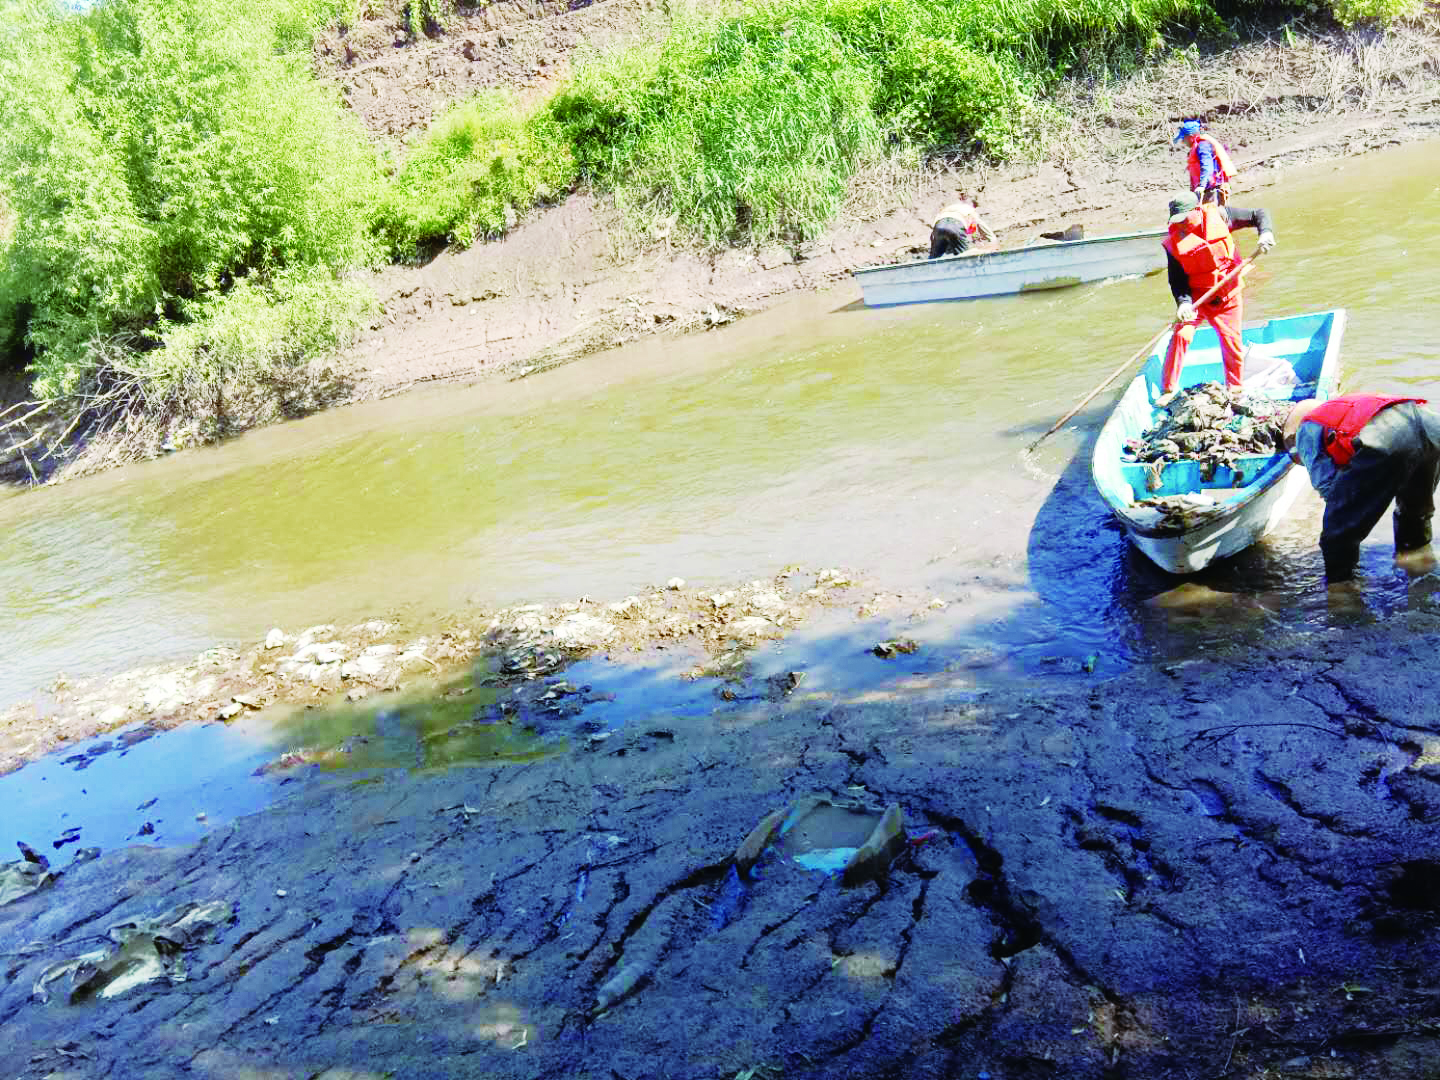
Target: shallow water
x=819, y=432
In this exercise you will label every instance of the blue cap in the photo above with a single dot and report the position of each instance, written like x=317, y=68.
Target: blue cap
x=1189, y=127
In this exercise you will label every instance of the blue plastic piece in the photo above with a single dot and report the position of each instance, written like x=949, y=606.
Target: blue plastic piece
x=730, y=902
x=826, y=860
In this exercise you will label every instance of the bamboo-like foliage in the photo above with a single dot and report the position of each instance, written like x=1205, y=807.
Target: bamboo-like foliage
x=155, y=154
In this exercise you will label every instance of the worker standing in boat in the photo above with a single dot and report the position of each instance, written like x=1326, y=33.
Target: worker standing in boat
x=1211, y=169
x=956, y=227
x=1200, y=253
x=1362, y=452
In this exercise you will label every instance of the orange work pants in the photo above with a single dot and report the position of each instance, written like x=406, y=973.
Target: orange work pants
x=1224, y=314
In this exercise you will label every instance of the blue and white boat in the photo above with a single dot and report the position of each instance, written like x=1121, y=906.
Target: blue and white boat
x=1288, y=358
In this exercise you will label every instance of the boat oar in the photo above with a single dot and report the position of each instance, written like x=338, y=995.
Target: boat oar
x=1238, y=271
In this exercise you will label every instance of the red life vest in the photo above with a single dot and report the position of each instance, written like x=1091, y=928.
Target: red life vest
x=1203, y=246
x=1224, y=167
x=1344, y=417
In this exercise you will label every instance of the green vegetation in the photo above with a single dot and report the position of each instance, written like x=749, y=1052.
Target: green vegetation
x=424, y=17
x=169, y=165
x=478, y=166
x=1350, y=12
x=180, y=197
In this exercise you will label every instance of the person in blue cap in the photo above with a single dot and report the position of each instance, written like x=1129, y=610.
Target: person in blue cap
x=1211, y=169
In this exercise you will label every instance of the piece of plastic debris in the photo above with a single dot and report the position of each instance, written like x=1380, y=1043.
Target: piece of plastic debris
x=828, y=835
x=29, y=854
x=24, y=876
x=827, y=861
x=754, y=845
x=280, y=893
x=873, y=859
x=729, y=902
x=140, y=951
x=887, y=650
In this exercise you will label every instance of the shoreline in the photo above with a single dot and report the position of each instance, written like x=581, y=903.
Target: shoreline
x=527, y=648
x=559, y=287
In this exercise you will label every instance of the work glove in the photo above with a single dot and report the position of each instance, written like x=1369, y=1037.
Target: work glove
x=1267, y=241
x=1185, y=311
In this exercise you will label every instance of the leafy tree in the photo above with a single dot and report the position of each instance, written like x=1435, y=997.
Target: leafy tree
x=153, y=154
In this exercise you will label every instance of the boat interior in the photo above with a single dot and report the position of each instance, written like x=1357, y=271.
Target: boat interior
x=1285, y=359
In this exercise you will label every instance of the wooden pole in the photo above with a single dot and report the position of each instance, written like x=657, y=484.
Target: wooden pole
x=1237, y=272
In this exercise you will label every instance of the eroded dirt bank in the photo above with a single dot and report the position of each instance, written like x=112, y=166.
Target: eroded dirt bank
x=572, y=279
x=1205, y=870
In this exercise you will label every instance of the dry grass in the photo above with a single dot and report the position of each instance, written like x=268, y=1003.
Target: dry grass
x=121, y=418
x=1282, y=80
x=1285, y=74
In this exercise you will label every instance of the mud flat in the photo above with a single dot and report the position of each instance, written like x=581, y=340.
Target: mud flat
x=519, y=651
x=1207, y=868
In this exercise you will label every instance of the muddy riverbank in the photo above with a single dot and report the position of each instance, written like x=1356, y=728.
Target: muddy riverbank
x=573, y=279
x=1207, y=868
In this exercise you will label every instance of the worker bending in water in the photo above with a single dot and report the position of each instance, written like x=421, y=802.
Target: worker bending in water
x=1200, y=253
x=956, y=227
x=1209, y=164
x=1362, y=451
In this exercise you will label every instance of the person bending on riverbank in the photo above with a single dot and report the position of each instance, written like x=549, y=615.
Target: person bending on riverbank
x=1209, y=164
x=956, y=228
x=1200, y=253
x=1362, y=452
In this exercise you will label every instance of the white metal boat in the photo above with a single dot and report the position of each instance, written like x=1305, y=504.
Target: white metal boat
x=1231, y=509
x=1051, y=265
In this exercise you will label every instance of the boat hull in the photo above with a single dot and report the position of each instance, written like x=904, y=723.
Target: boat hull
x=1027, y=269
x=1195, y=549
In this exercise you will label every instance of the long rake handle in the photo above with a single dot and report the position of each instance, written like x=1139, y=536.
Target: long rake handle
x=1238, y=271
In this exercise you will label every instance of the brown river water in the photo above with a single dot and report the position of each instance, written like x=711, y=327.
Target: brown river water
x=818, y=433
